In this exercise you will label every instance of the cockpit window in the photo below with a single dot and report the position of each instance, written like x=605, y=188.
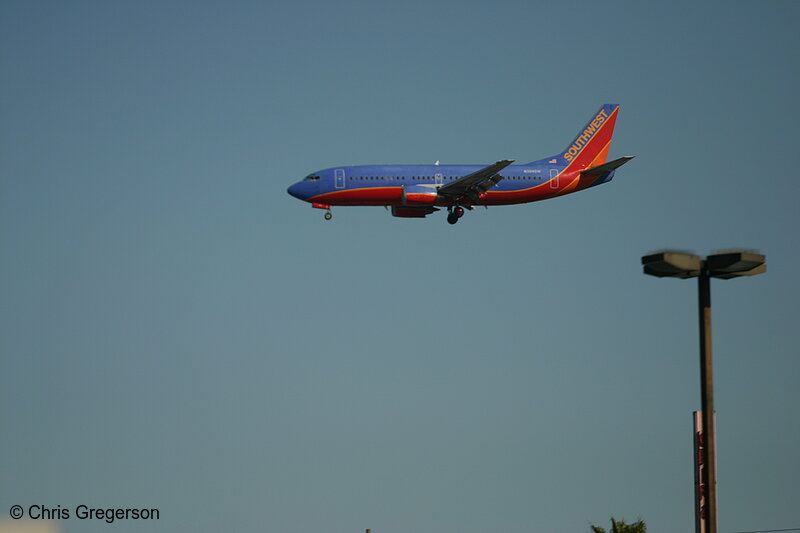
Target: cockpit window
x=311, y=178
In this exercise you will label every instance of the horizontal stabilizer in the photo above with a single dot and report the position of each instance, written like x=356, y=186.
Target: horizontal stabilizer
x=599, y=170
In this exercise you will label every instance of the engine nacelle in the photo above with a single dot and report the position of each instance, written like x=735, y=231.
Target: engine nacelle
x=418, y=195
x=412, y=211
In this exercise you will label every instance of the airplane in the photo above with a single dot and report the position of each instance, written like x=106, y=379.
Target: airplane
x=416, y=191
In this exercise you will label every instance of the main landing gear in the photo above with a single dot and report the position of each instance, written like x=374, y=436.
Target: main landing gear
x=328, y=215
x=454, y=213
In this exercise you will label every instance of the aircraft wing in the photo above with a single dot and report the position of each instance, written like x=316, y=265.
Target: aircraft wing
x=470, y=187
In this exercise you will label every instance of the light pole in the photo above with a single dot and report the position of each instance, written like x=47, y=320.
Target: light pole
x=725, y=265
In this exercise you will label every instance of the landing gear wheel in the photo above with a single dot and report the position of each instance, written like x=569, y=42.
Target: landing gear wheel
x=328, y=215
x=458, y=212
x=452, y=218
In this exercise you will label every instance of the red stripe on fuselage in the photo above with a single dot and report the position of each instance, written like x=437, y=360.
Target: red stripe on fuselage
x=364, y=196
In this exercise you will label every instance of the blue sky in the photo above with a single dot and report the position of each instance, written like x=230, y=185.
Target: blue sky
x=177, y=332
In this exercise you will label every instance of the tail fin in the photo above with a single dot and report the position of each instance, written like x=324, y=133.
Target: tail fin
x=590, y=146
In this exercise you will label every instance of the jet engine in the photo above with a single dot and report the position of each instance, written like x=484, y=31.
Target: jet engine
x=418, y=195
x=412, y=211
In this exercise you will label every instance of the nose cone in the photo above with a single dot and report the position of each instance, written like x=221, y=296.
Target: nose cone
x=297, y=191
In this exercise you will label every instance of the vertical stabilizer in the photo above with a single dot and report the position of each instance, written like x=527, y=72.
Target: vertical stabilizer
x=590, y=147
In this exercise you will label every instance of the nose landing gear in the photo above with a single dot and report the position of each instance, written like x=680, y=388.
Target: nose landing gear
x=326, y=207
x=454, y=213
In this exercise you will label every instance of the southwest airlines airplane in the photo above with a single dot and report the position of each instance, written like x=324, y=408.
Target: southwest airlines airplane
x=415, y=191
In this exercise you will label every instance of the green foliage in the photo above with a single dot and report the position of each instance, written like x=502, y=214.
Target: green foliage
x=619, y=526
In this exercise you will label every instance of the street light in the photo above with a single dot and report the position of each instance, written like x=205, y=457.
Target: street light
x=723, y=265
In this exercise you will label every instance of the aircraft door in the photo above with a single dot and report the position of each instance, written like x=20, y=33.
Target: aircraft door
x=438, y=179
x=554, y=178
x=339, y=178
